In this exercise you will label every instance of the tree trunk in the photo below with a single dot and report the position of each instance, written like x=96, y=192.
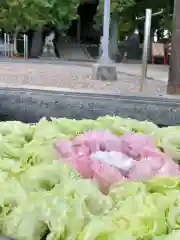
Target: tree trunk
x=174, y=70
x=114, y=37
x=15, y=51
x=36, y=44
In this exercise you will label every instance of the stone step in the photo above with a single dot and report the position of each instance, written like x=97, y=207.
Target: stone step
x=69, y=51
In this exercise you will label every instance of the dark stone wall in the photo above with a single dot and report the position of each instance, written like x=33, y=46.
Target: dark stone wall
x=30, y=105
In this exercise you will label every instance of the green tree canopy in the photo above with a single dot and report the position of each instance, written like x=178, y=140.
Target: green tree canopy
x=34, y=14
x=21, y=15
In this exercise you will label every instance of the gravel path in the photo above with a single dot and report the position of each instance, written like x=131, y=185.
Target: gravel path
x=73, y=77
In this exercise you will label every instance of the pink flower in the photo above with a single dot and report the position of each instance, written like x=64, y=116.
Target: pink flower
x=148, y=161
x=105, y=175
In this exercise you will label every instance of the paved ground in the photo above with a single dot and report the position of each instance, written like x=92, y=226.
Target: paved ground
x=63, y=75
x=155, y=72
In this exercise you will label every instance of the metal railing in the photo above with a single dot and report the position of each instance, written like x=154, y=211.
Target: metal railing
x=9, y=45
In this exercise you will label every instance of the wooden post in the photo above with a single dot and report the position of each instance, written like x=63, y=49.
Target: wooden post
x=174, y=70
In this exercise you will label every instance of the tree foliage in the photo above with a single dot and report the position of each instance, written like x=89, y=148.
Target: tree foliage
x=131, y=11
x=35, y=14
x=22, y=15
x=118, y=7
x=162, y=21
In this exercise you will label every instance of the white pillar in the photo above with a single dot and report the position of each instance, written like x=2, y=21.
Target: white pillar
x=104, y=58
x=105, y=70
